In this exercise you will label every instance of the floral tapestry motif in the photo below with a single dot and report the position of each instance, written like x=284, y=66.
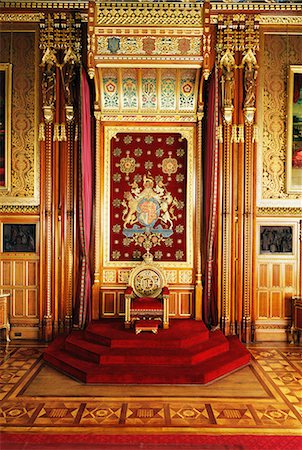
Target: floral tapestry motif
x=187, y=84
x=148, y=196
x=110, y=90
x=149, y=90
x=130, y=99
x=168, y=90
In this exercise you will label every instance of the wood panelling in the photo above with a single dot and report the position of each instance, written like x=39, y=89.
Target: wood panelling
x=112, y=302
x=108, y=303
x=276, y=275
x=31, y=303
x=288, y=275
x=19, y=272
x=31, y=273
x=120, y=303
x=276, y=304
x=263, y=275
x=263, y=304
x=276, y=282
x=19, y=277
x=6, y=272
x=18, y=303
x=173, y=304
x=185, y=301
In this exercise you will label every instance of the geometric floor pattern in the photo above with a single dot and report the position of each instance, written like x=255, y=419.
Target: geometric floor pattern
x=262, y=398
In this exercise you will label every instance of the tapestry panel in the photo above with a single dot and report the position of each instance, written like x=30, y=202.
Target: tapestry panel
x=148, y=196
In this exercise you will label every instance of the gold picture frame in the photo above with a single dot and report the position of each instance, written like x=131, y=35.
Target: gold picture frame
x=294, y=131
x=5, y=125
x=111, y=131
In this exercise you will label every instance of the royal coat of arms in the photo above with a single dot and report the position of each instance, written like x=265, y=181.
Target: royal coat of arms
x=148, y=210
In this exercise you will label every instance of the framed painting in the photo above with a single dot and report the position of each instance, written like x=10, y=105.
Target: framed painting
x=5, y=124
x=18, y=237
x=276, y=239
x=294, y=131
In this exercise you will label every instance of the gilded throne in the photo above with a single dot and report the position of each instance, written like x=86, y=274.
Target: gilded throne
x=147, y=297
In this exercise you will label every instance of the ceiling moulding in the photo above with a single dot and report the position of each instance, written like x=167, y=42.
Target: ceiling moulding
x=166, y=14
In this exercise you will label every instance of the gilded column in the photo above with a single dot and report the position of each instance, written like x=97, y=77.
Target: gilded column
x=98, y=231
x=227, y=64
x=69, y=71
x=49, y=63
x=199, y=206
x=249, y=64
x=69, y=219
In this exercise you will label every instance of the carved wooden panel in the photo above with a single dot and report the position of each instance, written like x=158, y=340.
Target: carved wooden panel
x=185, y=304
x=112, y=303
x=108, y=303
x=263, y=304
x=276, y=283
x=19, y=277
x=263, y=275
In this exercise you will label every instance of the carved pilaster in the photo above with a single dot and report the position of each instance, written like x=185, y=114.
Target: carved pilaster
x=97, y=201
x=248, y=236
x=226, y=229
x=69, y=223
x=198, y=286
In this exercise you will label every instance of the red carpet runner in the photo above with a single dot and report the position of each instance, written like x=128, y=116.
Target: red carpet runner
x=186, y=353
x=34, y=441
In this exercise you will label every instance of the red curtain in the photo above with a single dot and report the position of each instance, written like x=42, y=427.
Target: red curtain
x=210, y=177
x=85, y=206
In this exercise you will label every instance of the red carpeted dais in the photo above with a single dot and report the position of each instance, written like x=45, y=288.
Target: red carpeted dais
x=186, y=353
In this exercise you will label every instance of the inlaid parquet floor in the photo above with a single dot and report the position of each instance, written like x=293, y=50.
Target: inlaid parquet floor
x=262, y=398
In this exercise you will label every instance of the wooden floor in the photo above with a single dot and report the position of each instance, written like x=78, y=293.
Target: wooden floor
x=262, y=398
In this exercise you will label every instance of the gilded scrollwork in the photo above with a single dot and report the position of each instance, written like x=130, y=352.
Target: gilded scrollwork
x=188, y=14
x=276, y=60
x=25, y=169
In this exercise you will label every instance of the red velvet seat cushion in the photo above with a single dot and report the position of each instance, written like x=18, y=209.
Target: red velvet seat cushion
x=146, y=304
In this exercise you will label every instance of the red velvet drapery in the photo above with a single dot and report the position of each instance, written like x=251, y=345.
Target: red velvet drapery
x=210, y=177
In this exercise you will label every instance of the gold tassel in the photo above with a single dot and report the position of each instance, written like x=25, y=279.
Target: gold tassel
x=63, y=136
x=255, y=137
x=241, y=133
x=76, y=133
x=219, y=134
x=234, y=134
x=41, y=135
x=56, y=132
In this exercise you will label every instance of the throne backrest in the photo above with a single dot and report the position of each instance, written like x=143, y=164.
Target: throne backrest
x=147, y=280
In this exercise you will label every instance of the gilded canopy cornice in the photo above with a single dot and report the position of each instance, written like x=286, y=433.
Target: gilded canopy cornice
x=165, y=12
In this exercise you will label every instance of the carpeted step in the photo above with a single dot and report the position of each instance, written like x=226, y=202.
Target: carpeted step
x=168, y=355
x=76, y=344
x=114, y=335
x=198, y=363
x=218, y=366
x=201, y=373
x=62, y=360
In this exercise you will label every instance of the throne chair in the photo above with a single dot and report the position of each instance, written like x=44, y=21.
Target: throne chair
x=147, y=297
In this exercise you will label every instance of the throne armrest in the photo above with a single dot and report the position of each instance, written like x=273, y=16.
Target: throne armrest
x=128, y=296
x=165, y=291
x=129, y=291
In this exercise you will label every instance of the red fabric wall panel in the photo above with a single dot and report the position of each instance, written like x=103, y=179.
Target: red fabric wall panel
x=148, y=196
